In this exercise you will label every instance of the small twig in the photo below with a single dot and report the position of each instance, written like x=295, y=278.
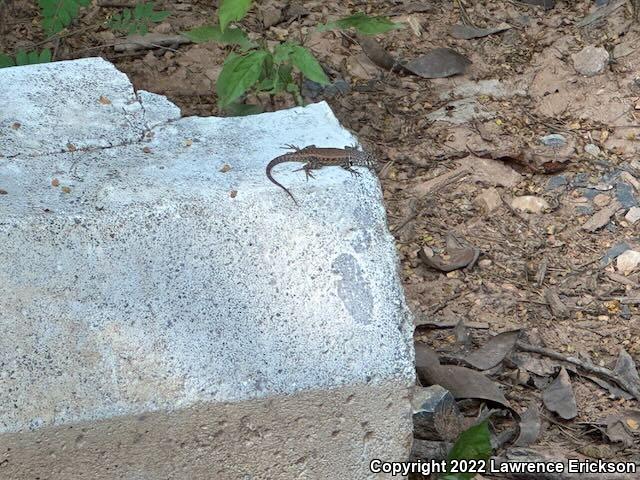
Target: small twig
x=588, y=367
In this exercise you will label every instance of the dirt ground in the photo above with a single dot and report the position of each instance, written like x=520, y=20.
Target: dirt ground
x=524, y=159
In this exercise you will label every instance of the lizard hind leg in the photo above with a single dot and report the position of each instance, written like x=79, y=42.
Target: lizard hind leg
x=289, y=146
x=307, y=167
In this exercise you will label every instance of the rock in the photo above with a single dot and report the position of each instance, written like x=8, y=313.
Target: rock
x=435, y=414
x=491, y=172
x=485, y=263
x=556, y=181
x=488, y=200
x=590, y=60
x=601, y=218
x=164, y=27
x=633, y=215
x=628, y=261
x=601, y=200
x=630, y=179
x=122, y=326
x=580, y=180
x=529, y=203
x=592, y=150
x=614, y=252
x=461, y=111
x=625, y=195
x=554, y=140
x=270, y=16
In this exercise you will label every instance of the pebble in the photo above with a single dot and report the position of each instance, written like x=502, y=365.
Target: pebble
x=631, y=180
x=556, y=181
x=625, y=195
x=628, y=261
x=529, y=203
x=601, y=200
x=590, y=60
x=633, y=215
x=488, y=200
x=580, y=180
x=554, y=140
x=614, y=252
x=485, y=262
x=592, y=149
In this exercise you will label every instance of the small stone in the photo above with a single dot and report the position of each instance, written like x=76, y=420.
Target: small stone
x=614, y=252
x=590, y=60
x=633, y=215
x=488, y=200
x=556, y=181
x=592, y=150
x=529, y=203
x=164, y=27
x=628, y=261
x=554, y=140
x=601, y=200
x=584, y=210
x=580, y=180
x=631, y=180
x=625, y=195
x=485, y=263
x=270, y=16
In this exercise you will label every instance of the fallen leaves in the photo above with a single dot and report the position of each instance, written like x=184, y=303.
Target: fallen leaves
x=462, y=382
x=559, y=397
x=461, y=255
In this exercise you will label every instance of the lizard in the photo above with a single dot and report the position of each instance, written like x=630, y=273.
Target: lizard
x=318, y=157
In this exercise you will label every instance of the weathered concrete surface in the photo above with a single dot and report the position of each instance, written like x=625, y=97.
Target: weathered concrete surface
x=166, y=312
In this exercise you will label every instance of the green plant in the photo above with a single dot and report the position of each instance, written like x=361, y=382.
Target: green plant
x=137, y=20
x=58, y=14
x=25, y=58
x=362, y=23
x=271, y=69
x=474, y=444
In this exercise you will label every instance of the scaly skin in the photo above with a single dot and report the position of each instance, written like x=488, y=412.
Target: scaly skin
x=318, y=157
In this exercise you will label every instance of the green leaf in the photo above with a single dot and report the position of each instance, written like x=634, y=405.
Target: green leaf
x=6, y=61
x=138, y=11
x=45, y=56
x=138, y=19
x=32, y=58
x=22, y=58
x=243, y=109
x=282, y=52
x=232, y=11
x=157, y=17
x=363, y=24
x=304, y=61
x=472, y=444
x=238, y=74
x=58, y=14
x=209, y=33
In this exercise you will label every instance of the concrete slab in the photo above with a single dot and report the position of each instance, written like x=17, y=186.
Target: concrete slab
x=167, y=312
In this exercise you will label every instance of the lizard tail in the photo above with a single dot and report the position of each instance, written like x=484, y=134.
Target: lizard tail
x=273, y=180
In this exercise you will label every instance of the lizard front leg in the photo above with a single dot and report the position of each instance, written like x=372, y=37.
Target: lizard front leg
x=350, y=169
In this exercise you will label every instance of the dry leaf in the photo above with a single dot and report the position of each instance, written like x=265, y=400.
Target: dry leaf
x=439, y=63
x=530, y=425
x=467, y=32
x=559, y=398
x=494, y=351
x=462, y=382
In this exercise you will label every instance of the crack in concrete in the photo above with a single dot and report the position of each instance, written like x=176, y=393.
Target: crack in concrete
x=144, y=133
